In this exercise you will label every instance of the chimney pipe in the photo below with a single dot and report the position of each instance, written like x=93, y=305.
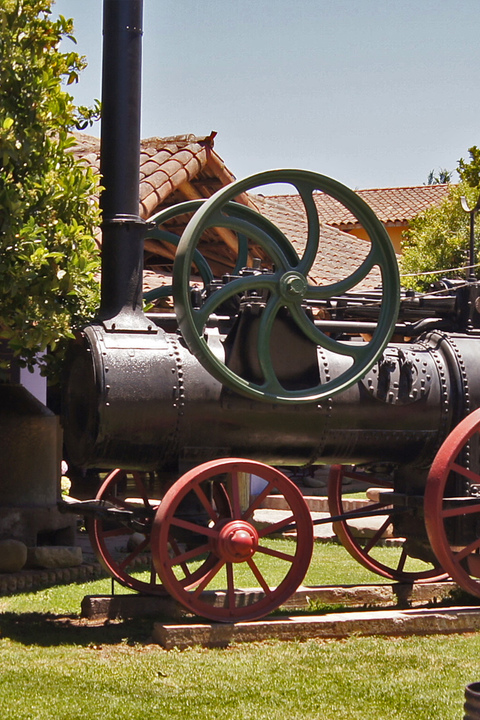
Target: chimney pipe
x=122, y=228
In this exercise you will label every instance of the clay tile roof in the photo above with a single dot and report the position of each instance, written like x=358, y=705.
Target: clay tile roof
x=166, y=164
x=393, y=206
x=339, y=253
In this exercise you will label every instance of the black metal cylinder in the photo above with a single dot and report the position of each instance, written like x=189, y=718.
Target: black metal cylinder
x=472, y=702
x=123, y=230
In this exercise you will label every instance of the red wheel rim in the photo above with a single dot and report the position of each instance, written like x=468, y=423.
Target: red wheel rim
x=233, y=541
x=462, y=559
x=121, y=565
x=362, y=553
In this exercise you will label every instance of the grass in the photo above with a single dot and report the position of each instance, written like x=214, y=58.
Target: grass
x=53, y=665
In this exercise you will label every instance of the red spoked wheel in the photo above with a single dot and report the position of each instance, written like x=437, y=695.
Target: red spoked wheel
x=364, y=552
x=452, y=504
x=110, y=536
x=247, y=555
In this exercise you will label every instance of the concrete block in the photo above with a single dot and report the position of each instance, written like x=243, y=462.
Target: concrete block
x=54, y=556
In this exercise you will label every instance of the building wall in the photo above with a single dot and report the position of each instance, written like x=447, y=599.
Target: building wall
x=395, y=234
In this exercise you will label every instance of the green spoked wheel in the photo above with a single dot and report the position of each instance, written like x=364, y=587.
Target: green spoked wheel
x=286, y=285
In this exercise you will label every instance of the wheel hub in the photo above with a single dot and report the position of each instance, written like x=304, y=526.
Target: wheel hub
x=293, y=286
x=237, y=541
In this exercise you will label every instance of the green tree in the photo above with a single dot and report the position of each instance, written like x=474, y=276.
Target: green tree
x=48, y=254
x=438, y=238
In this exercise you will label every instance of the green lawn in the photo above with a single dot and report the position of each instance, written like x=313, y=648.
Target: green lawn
x=53, y=666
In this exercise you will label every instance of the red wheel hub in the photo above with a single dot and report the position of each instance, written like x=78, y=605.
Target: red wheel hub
x=237, y=541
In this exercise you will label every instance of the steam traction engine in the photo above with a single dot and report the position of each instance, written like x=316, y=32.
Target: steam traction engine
x=265, y=365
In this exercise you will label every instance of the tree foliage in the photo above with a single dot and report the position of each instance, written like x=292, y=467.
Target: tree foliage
x=438, y=238
x=48, y=255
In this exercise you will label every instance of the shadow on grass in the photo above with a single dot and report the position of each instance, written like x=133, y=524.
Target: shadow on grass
x=47, y=630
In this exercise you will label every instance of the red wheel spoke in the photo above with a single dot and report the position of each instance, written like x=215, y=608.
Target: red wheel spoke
x=189, y=554
x=466, y=472
x=200, y=529
x=233, y=541
x=183, y=565
x=141, y=488
x=120, y=565
x=208, y=578
x=257, y=502
x=275, y=553
x=230, y=586
x=259, y=577
x=275, y=527
x=461, y=509
x=453, y=536
x=403, y=560
x=135, y=553
x=467, y=550
x=378, y=535
x=353, y=544
x=206, y=503
x=237, y=513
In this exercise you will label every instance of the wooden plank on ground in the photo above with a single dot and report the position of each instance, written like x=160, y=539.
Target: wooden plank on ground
x=333, y=625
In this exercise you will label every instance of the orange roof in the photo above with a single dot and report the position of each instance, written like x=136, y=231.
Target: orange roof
x=393, y=206
x=167, y=164
x=185, y=166
x=339, y=253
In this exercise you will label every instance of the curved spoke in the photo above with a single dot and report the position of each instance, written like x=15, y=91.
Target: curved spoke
x=264, y=336
x=272, y=231
x=357, y=352
x=325, y=292
x=313, y=235
x=234, y=287
x=254, y=232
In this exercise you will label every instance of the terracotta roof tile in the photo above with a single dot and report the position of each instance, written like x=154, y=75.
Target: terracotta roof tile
x=165, y=163
x=339, y=253
x=393, y=206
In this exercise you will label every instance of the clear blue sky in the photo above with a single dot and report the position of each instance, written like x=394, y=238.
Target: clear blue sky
x=375, y=93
